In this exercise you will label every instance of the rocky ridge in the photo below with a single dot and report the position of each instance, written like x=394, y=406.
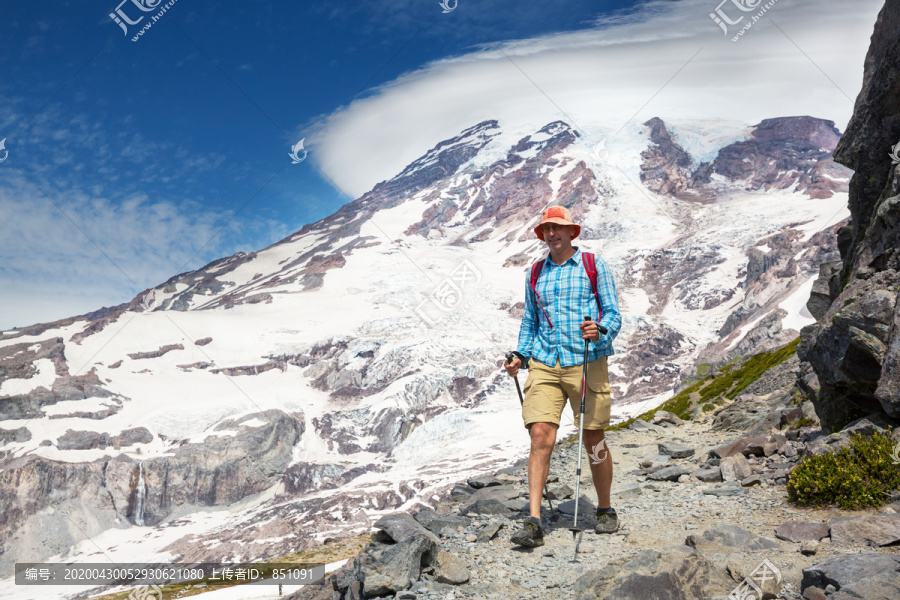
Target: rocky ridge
x=854, y=347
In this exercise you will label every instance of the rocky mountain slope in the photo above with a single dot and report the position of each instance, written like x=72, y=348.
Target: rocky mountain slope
x=275, y=398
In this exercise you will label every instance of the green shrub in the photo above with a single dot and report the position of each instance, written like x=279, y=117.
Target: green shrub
x=803, y=422
x=854, y=477
x=709, y=406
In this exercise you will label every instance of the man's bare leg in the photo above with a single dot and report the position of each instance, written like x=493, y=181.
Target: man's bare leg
x=543, y=438
x=602, y=472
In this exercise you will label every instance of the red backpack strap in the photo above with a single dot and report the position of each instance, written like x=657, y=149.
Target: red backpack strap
x=536, y=269
x=590, y=265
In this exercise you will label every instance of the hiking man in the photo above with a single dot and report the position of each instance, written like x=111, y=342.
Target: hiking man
x=551, y=346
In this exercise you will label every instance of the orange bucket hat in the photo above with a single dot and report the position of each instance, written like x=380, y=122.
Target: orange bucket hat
x=556, y=214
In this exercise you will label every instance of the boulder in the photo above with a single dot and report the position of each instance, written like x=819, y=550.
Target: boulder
x=735, y=468
x=436, y=523
x=387, y=569
x=396, y=527
x=798, y=531
x=671, y=573
x=844, y=571
x=663, y=416
x=868, y=530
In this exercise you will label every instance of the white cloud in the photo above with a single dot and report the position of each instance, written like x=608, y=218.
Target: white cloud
x=100, y=252
x=600, y=77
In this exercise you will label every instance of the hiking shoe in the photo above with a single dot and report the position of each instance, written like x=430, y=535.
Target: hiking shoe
x=607, y=521
x=531, y=535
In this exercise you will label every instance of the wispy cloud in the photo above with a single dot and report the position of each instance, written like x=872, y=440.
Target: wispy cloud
x=600, y=76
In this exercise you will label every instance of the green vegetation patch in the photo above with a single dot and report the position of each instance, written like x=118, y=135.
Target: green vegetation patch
x=728, y=381
x=854, y=477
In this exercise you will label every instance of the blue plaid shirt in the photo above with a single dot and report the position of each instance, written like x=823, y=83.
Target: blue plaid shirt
x=566, y=295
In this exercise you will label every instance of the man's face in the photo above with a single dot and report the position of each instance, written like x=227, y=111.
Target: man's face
x=558, y=236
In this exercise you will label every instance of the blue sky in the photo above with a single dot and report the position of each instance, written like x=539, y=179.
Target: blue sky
x=132, y=161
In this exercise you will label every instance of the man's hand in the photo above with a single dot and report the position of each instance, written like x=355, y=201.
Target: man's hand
x=589, y=331
x=513, y=367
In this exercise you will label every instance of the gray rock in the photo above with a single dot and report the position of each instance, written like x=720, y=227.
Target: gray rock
x=883, y=586
x=488, y=506
x=735, y=468
x=670, y=473
x=798, y=531
x=559, y=493
x=870, y=530
x=664, y=415
x=386, y=569
x=585, y=507
x=641, y=425
x=675, y=449
x=461, y=491
x=751, y=481
x=487, y=533
x=129, y=437
x=673, y=573
x=396, y=527
x=449, y=569
x=626, y=490
x=809, y=547
x=500, y=493
x=83, y=440
x=483, y=482
x=708, y=475
x=656, y=460
x=436, y=523
x=740, y=446
x=727, y=538
x=843, y=571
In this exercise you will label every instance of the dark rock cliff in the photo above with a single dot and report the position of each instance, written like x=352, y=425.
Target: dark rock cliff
x=855, y=345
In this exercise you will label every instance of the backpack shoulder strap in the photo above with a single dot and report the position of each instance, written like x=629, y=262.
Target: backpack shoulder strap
x=536, y=269
x=590, y=266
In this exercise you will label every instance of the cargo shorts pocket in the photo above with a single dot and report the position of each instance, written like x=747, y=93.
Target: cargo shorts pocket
x=598, y=376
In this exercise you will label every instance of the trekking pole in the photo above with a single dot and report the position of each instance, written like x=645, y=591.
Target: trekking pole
x=509, y=358
x=574, y=528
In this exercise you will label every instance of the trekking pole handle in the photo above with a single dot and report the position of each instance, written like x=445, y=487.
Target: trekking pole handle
x=600, y=327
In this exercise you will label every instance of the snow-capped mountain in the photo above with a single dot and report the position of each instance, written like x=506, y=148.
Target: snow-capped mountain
x=275, y=398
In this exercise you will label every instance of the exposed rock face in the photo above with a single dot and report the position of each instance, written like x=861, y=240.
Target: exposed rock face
x=220, y=470
x=781, y=154
x=666, y=167
x=854, y=346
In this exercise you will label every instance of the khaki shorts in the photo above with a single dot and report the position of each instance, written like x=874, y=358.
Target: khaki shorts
x=547, y=389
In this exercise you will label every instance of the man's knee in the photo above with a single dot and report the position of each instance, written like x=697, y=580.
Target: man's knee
x=543, y=435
